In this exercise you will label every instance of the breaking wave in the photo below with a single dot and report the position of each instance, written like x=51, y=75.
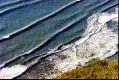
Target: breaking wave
x=27, y=34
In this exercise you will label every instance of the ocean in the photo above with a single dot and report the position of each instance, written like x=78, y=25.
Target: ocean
x=31, y=28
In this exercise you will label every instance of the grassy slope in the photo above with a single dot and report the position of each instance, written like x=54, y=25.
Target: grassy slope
x=106, y=69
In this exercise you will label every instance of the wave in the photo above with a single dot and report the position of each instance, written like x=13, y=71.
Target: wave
x=87, y=6
x=2, y=12
x=9, y=3
x=83, y=39
x=101, y=22
x=104, y=10
x=54, y=50
x=54, y=34
x=67, y=46
x=97, y=3
x=41, y=19
x=38, y=20
x=89, y=34
x=86, y=35
x=105, y=6
x=11, y=72
x=91, y=30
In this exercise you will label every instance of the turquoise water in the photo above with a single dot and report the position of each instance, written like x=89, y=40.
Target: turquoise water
x=34, y=27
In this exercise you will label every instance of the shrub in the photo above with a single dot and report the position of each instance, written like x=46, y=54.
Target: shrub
x=97, y=69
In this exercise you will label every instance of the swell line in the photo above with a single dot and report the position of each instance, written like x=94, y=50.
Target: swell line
x=48, y=39
x=87, y=6
x=29, y=62
x=55, y=50
x=38, y=20
x=42, y=43
x=109, y=7
x=39, y=45
x=96, y=3
x=17, y=6
x=9, y=3
x=106, y=6
x=36, y=60
x=12, y=5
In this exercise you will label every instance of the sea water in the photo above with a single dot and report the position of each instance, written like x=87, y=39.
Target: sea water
x=32, y=28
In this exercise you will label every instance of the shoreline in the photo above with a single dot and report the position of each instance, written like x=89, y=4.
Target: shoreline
x=73, y=54
x=71, y=58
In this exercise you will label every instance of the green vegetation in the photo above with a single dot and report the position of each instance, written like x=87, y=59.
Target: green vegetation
x=97, y=69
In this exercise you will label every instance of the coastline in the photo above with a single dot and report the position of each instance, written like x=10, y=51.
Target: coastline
x=99, y=41
x=100, y=45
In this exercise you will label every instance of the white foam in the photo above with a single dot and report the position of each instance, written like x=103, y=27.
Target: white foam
x=106, y=17
x=1, y=65
x=6, y=36
x=102, y=18
x=77, y=0
x=112, y=52
x=11, y=72
x=96, y=22
x=82, y=40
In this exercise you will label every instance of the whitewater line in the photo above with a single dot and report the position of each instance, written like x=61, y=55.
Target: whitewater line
x=64, y=47
x=13, y=71
x=110, y=53
x=31, y=51
x=54, y=34
x=86, y=37
x=38, y=20
x=91, y=33
x=55, y=51
x=98, y=29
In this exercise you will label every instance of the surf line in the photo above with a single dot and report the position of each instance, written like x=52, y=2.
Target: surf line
x=86, y=37
x=57, y=32
x=57, y=51
x=28, y=52
x=64, y=47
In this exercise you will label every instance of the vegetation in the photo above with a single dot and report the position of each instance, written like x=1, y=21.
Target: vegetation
x=97, y=69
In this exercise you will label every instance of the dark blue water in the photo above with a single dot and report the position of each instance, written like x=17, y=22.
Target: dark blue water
x=29, y=28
